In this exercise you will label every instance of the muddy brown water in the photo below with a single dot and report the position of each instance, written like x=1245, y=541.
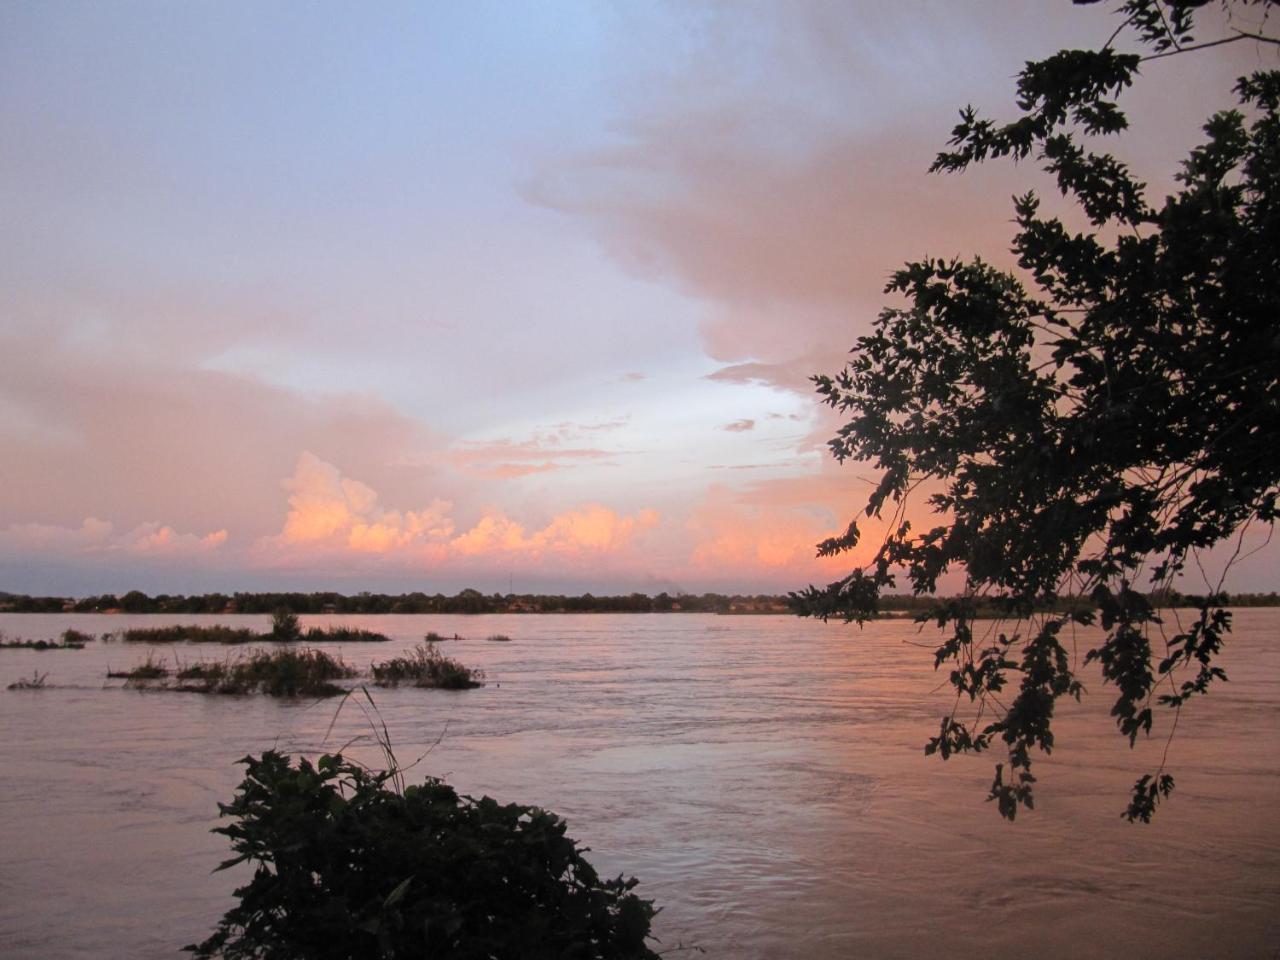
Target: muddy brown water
x=762, y=776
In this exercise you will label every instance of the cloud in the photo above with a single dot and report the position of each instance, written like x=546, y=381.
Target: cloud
x=751, y=541
x=739, y=426
x=541, y=453
x=330, y=514
x=329, y=509
x=201, y=449
x=95, y=537
x=773, y=162
x=588, y=529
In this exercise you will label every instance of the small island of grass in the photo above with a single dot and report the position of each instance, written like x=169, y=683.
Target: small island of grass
x=282, y=631
x=71, y=640
x=426, y=667
x=292, y=672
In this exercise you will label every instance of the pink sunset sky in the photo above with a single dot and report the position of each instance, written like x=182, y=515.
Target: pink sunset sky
x=428, y=296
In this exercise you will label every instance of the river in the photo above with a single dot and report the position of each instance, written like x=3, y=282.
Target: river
x=762, y=776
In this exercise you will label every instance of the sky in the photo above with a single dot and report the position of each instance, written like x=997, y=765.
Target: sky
x=503, y=295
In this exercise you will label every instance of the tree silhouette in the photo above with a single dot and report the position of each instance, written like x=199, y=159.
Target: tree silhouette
x=1089, y=427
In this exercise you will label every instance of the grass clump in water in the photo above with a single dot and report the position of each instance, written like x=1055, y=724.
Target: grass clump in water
x=188, y=633
x=278, y=673
x=288, y=673
x=284, y=629
x=71, y=640
x=35, y=683
x=148, y=670
x=499, y=638
x=345, y=635
x=426, y=667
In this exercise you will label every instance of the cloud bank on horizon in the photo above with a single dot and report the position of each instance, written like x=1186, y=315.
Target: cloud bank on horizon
x=441, y=297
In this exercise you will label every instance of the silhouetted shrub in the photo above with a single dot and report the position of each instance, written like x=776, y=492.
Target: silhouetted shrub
x=285, y=627
x=348, y=867
x=426, y=667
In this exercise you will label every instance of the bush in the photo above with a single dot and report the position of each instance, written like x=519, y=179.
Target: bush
x=285, y=627
x=426, y=667
x=347, y=867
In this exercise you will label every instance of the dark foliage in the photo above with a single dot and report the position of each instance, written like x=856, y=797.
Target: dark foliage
x=1090, y=432
x=285, y=627
x=426, y=666
x=188, y=633
x=71, y=640
x=347, y=867
x=468, y=601
x=345, y=635
x=288, y=672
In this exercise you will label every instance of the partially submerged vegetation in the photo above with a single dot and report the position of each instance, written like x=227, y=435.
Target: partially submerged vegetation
x=71, y=640
x=345, y=635
x=36, y=682
x=426, y=666
x=150, y=669
x=498, y=638
x=298, y=672
x=276, y=673
x=188, y=633
x=283, y=630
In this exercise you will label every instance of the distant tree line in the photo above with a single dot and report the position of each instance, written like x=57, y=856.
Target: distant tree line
x=473, y=601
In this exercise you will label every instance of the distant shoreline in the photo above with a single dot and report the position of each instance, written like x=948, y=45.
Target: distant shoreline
x=474, y=602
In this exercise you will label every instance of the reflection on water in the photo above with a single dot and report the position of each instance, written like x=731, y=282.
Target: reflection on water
x=763, y=777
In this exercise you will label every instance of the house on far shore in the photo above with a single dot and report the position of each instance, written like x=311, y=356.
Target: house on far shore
x=329, y=608
x=68, y=606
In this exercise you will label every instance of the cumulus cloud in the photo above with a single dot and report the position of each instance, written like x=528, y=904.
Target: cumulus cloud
x=328, y=508
x=329, y=512
x=749, y=540
x=200, y=449
x=99, y=537
x=771, y=526
x=586, y=529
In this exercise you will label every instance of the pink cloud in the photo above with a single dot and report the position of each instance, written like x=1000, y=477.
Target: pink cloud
x=591, y=528
x=332, y=515
x=202, y=449
x=95, y=537
x=328, y=509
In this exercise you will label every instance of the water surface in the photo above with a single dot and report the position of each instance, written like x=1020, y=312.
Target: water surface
x=762, y=776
